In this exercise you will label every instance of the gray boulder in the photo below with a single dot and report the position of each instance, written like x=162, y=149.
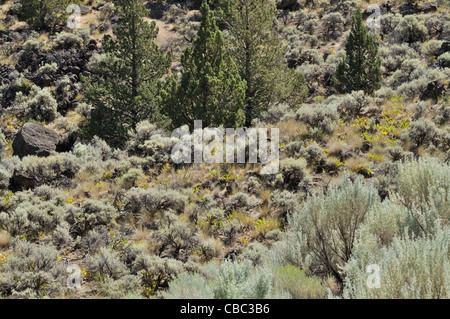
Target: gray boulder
x=35, y=139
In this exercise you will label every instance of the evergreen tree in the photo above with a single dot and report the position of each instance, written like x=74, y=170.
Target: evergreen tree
x=126, y=89
x=360, y=69
x=259, y=54
x=211, y=89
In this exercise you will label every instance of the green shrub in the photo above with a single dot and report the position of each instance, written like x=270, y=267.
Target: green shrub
x=5, y=177
x=323, y=116
x=121, y=287
x=389, y=22
x=3, y=145
x=393, y=56
x=432, y=48
x=322, y=233
x=422, y=132
x=152, y=200
x=409, y=30
x=106, y=263
x=240, y=280
x=131, y=177
x=332, y=25
x=47, y=69
x=283, y=203
x=42, y=14
x=173, y=237
x=242, y=201
x=156, y=272
x=424, y=188
x=33, y=218
x=409, y=70
x=91, y=214
x=39, y=105
x=299, y=286
x=188, y=286
x=409, y=269
x=55, y=169
x=150, y=141
x=354, y=103
x=32, y=271
x=276, y=112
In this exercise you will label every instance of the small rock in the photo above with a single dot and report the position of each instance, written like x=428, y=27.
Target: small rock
x=428, y=7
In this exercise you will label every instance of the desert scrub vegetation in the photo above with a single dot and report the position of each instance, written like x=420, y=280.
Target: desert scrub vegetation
x=363, y=178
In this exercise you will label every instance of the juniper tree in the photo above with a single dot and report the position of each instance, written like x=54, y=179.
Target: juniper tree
x=211, y=89
x=259, y=54
x=360, y=69
x=125, y=91
x=43, y=14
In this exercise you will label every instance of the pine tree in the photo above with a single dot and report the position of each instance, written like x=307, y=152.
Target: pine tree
x=126, y=90
x=360, y=69
x=211, y=89
x=259, y=54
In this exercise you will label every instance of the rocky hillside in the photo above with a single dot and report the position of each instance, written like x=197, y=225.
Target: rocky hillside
x=363, y=179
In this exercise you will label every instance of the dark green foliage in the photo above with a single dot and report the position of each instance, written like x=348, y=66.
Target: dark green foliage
x=126, y=89
x=211, y=88
x=360, y=69
x=259, y=55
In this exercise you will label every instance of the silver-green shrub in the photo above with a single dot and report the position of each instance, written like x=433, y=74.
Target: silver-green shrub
x=33, y=271
x=120, y=288
x=33, y=217
x=65, y=40
x=240, y=280
x=424, y=188
x=322, y=233
x=152, y=200
x=39, y=105
x=92, y=213
x=106, y=263
x=409, y=30
x=189, y=286
x=408, y=269
x=354, y=103
x=323, y=116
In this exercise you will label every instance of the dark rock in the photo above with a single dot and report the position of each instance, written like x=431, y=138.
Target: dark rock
x=433, y=91
x=35, y=139
x=384, y=9
x=84, y=9
x=67, y=143
x=288, y=5
x=22, y=181
x=445, y=47
x=408, y=8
